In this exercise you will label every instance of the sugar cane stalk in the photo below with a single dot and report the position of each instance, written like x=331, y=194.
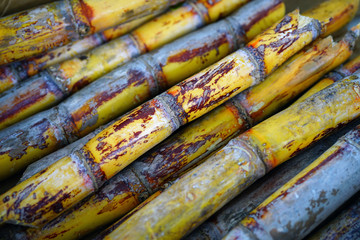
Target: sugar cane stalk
x=189, y=145
x=308, y=198
x=130, y=85
x=12, y=74
x=57, y=82
x=121, y=143
x=205, y=189
x=34, y=31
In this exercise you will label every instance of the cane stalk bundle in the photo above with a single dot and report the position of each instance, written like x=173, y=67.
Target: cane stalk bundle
x=189, y=145
x=246, y=158
x=308, y=198
x=220, y=224
x=130, y=85
x=34, y=31
x=55, y=189
x=12, y=74
x=57, y=82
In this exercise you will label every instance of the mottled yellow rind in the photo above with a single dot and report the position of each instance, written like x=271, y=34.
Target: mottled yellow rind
x=65, y=181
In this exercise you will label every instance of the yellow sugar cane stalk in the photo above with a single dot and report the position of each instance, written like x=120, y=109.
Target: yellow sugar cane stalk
x=130, y=85
x=205, y=189
x=51, y=86
x=34, y=31
x=12, y=74
x=308, y=198
x=187, y=147
x=122, y=142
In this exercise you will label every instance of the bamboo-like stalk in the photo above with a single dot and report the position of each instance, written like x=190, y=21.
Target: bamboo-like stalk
x=344, y=225
x=142, y=128
x=34, y=31
x=187, y=147
x=57, y=82
x=131, y=85
x=308, y=198
x=205, y=189
x=12, y=74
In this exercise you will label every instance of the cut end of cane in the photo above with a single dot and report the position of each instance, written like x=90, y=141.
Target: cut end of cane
x=333, y=14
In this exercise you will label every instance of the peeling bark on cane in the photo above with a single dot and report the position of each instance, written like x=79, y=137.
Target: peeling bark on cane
x=307, y=199
x=74, y=74
x=198, y=194
x=144, y=127
x=31, y=32
x=132, y=84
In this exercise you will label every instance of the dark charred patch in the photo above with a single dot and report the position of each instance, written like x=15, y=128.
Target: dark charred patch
x=334, y=192
x=83, y=57
x=188, y=54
